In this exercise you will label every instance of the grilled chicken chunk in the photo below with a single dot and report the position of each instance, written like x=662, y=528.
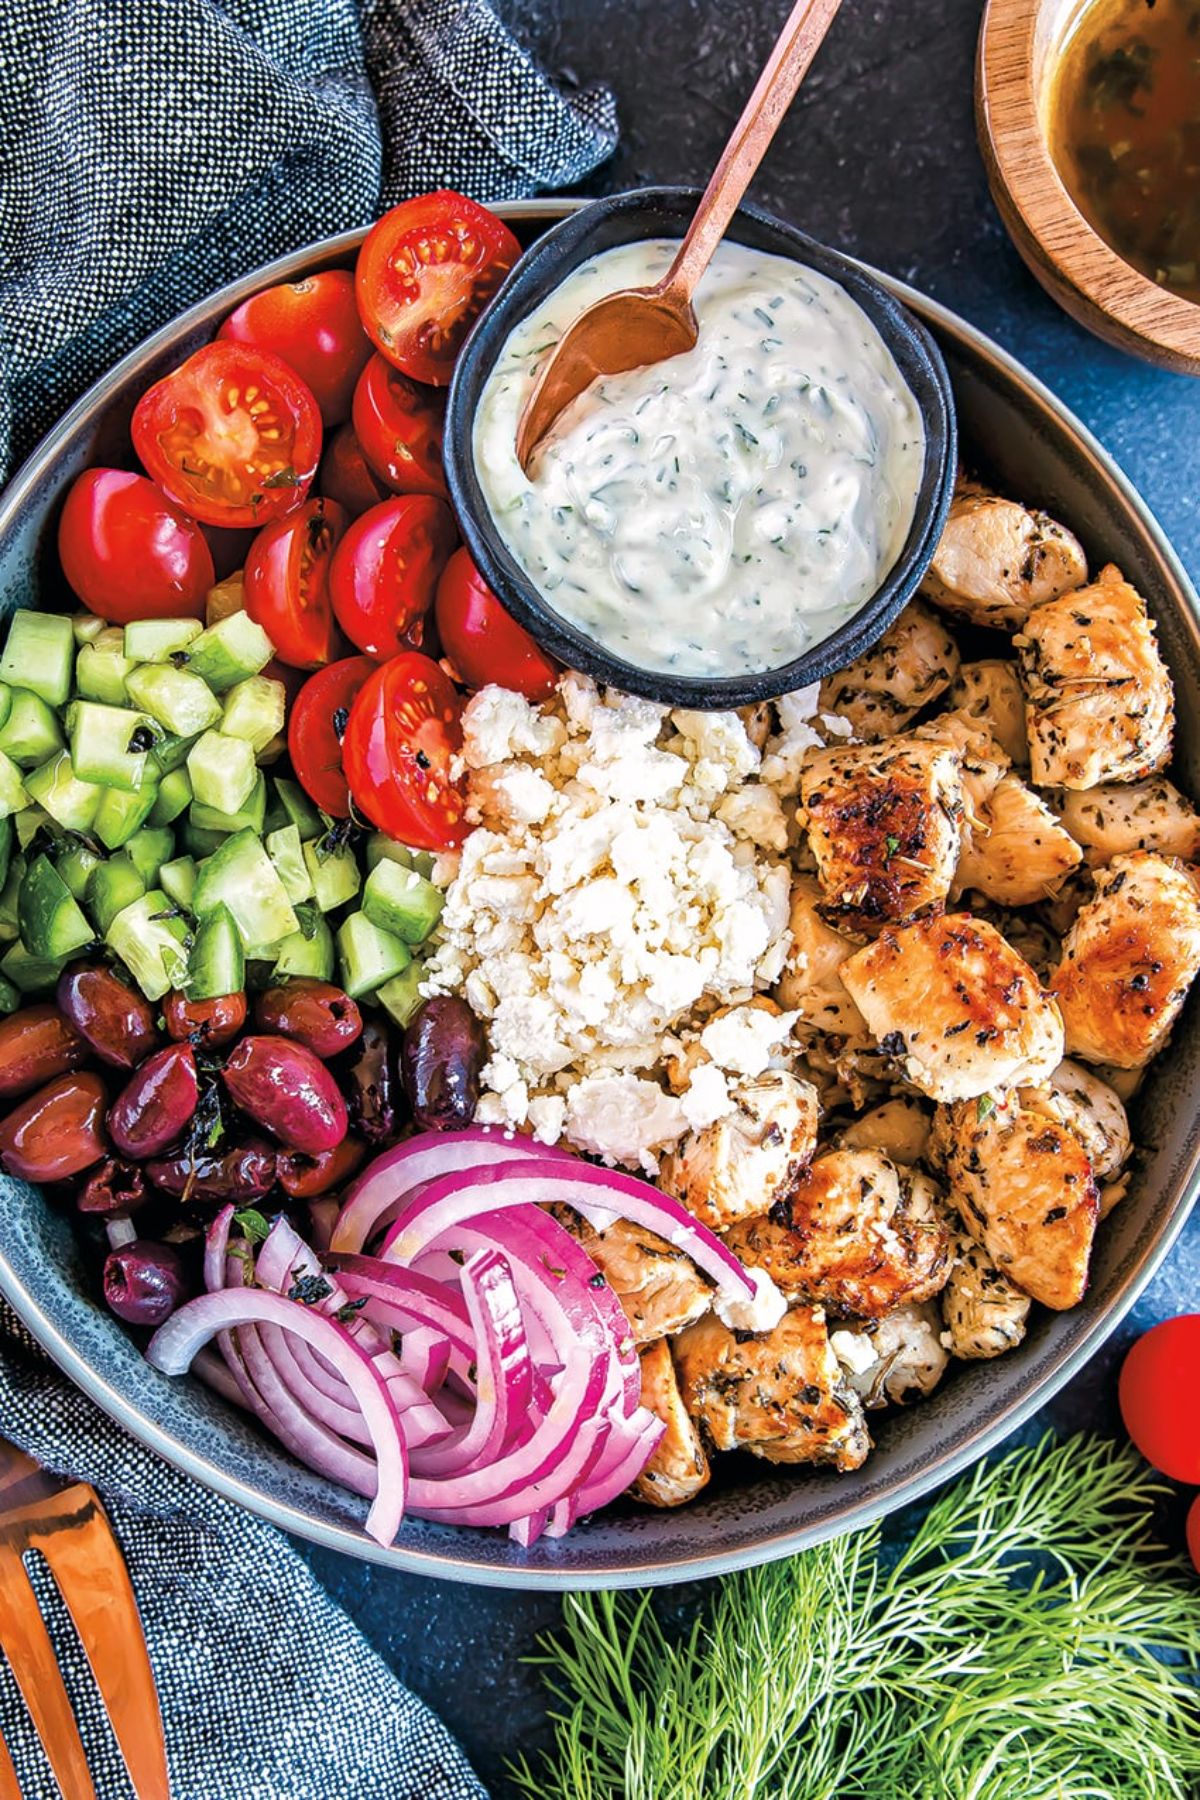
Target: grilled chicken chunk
x=996, y=560
x=751, y=1159
x=883, y=690
x=985, y=1313
x=990, y=693
x=895, y=1360
x=1128, y=960
x=883, y=824
x=1096, y=1115
x=679, y=1468
x=956, y=1007
x=899, y=1128
x=811, y=984
x=1141, y=815
x=1023, y=1186
x=1099, y=701
x=782, y=1395
x=1015, y=851
x=660, y=1289
x=858, y=1235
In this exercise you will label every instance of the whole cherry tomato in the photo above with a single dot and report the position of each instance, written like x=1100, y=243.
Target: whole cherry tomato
x=424, y=274
x=287, y=583
x=1193, y=1532
x=399, y=428
x=1160, y=1396
x=481, y=640
x=314, y=325
x=385, y=572
x=232, y=435
x=316, y=727
x=402, y=731
x=345, y=475
x=129, y=552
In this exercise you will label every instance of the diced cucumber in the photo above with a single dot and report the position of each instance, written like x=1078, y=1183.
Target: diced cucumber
x=12, y=789
x=368, y=956
x=148, y=849
x=401, y=901
x=148, y=937
x=39, y=654
x=111, y=745
x=86, y=628
x=178, y=881
x=10, y=996
x=120, y=815
x=242, y=876
x=6, y=700
x=57, y=788
x=28, y=822
x=272, y=751
x=101, y=668
x=199, y=842
x=31, y=732
x=6, y=845
x=298, y=807
x=225, y=653
x=217, y=964
x=158, y=640
x=31, y=974
x=380, y=848
x=401, y=996
x=308, y=951
x=174, y=797
x=335, y=875
x=222, y=771
x=75, y=863
x=112, y=887
x=171, y=753
x=249, y=816
x=284, y=850
x=255, y=710
x=51, y=921
x=11, y=891
x=228, y=596
x=178, y=700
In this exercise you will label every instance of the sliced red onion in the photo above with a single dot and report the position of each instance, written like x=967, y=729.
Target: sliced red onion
x=527, y=1531
x=629, y=1448
x=504, y=1374
x=421, y=1300
x=215, y=1373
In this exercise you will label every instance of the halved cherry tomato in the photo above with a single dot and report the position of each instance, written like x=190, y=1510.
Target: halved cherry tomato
x=345, y=475
x=424, y=274
x=1159, y=1392
x=314, y=325
x=287, y=583
x=232, y=435
x=129, y=552
x=399, y=428
x=385, y=572
x=316, y=727
x=403, y=729
x=481, y=640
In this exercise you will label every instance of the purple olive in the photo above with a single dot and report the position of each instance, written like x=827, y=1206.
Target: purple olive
x=153, y=1109
x=283, y=1088
x=440, y=1059
x=37, y=1044
x=117, y=1023
x=246, y=1172
x=315, y=1013
x=144, y=1282
x=371, y=1084
x=113, y=1191
x=56, y=1132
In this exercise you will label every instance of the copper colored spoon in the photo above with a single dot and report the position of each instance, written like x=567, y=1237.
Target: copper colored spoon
x=636, y=326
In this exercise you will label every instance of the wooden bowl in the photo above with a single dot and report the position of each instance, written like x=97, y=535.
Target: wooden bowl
x=1019, y=45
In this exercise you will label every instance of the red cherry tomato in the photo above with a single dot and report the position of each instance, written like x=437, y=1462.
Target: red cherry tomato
x=399, y=428
x=287, y=583
x=314, y=325
x=424, y=274
x=129, y=552
x=385, y=572
x=345, y=476
x=316, y=727
x=232, y=435
x=482, y=641
x=1193, y=1532
x=403, y=729
x=1160, y=1397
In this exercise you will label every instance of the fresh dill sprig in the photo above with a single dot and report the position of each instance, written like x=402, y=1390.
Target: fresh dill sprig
x=1034, y=1639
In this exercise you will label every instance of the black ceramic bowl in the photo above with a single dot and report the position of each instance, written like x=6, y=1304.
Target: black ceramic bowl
x=667, y=212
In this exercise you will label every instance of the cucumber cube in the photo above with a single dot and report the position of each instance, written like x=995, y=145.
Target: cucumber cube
x=120, y=815
x=10, y=995
x=368, y=956
x=112, y=746
x=6, y=698
x=86, y=628
x=174, y=797
x=31, y=974
x=29, y=821
x=148, y=849
x=308, y=951
x=178, y=881
x=241, y=876
x=255, y=710
x=101, y=668
x=40, y=655
x=72, y=803
x=148, y=937
x=382, y=848
x=199, y=842
x=298, y=808
x=401, y=901
x=51, y=921
x=249, y=815
x=31, y=732
x=273, y=750
x=179, y=701
x=284, y=850
x=75, y=864
x=222, y=771
x=12, y=789
x=217, y=964
x=171, y=753
x=6, y=846
x=225, y=653
x=11, y=893
x=112, y=887
x=334, y=875
x=159, y=640
x=228, y=596
x=401, y=996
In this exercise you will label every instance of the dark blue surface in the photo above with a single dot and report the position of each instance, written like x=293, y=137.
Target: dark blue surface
x=878, y=158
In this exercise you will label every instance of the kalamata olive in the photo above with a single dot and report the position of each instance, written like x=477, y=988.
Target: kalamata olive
x=207, y=1023
x=371, y=1083
x=144, y=1282
x=440, y=1059
x=315, y=1013
x=304, y=1177
x=56, y=1132
x=245, y=1172
x=288, y=1092
x=117, y=1023
x=153, y=1109
x=114, y=1190
x=36, y=1044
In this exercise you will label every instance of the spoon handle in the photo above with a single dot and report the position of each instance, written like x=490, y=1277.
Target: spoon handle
x=774, y=92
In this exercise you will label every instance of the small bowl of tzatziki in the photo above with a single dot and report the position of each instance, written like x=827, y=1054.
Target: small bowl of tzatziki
x=732, y=523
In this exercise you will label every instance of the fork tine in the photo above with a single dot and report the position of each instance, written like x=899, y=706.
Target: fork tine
x=26, y=1643
x=10, y=1787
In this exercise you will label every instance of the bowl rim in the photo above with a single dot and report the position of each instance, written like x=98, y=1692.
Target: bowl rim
x=540, y=269
x=464, y=1565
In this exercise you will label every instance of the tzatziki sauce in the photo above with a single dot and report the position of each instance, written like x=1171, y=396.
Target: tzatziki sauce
x=720, y=512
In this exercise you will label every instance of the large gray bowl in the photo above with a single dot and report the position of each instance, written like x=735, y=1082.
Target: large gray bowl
x=1013, y=430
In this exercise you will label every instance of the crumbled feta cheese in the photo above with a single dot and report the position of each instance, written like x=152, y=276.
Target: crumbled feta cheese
x=762, y=1313
x=853, y=1350
x=623, y=1118
x=744, y=1038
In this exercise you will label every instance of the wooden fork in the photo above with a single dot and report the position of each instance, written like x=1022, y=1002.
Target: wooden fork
x=68, y=1527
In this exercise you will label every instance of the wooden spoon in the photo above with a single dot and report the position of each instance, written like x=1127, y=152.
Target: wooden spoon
x=636, y=326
